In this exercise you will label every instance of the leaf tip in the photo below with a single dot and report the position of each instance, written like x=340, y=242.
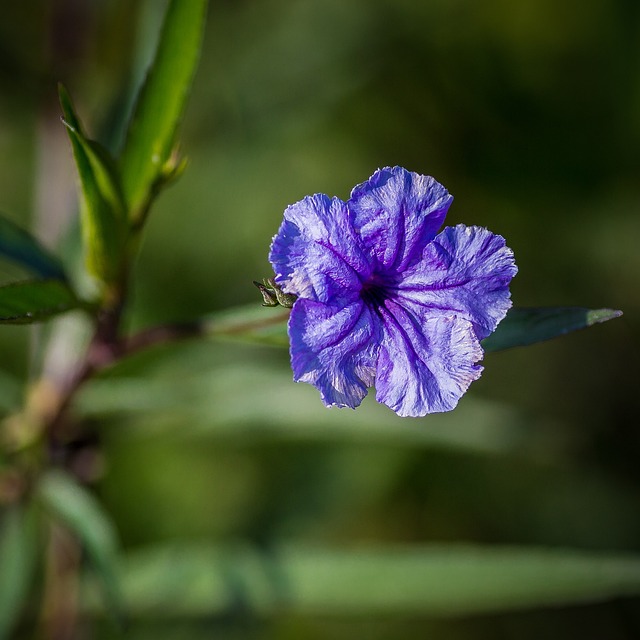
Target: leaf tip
x=64, y=97
x=68, y=125
x=597, y=316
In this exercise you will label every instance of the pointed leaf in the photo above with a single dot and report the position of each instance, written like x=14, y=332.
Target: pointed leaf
x=521, y=327
x=104, y=223
x=440, y=580
x=20, y=246
x=74, y=506
x=250, y=323
x=451, y=580
x=151, y=135
x=524, y=326
x=35, y=300
x=18, y=553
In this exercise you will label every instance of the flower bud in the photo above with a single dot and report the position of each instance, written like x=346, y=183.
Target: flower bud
x=273, y=295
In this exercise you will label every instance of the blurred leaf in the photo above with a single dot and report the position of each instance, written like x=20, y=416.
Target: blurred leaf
x=35, y=300
x=523, y=327
x=103, y=216
x=146, y=158
x=453, y=580
x=18, y=552
x=85, y=517
x=253, y=402
x=20, y=246
x=250, y=323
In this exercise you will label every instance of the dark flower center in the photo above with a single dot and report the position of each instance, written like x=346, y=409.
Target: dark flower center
x=374, y=293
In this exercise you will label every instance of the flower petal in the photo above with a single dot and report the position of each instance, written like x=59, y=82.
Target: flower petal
x=425, y=365
x=334, y=349
x=396, y=213
x=466, y=272
x=316, y=254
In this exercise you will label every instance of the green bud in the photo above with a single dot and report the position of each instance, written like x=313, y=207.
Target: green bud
x=273, y=295
x=269, y=297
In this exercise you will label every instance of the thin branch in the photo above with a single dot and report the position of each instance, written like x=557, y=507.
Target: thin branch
x=106, y=349
x=168, y=333
x=159, y=335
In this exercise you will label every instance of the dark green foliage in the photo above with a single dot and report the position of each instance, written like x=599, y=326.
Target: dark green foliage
x=35, y=300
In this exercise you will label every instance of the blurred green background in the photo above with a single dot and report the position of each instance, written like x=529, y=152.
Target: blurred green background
x=528, y=112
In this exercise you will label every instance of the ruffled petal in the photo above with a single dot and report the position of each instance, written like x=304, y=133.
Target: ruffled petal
x=466, y=272
x=334, y=349
x=396, y=212
x=425, y=365
x=316, y=254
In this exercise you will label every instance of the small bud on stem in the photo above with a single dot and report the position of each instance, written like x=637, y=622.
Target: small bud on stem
x=273, y=295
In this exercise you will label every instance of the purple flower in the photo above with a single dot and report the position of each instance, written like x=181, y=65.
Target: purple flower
x=386, y=300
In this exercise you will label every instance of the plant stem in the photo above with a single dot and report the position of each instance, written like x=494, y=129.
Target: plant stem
x=101, y=352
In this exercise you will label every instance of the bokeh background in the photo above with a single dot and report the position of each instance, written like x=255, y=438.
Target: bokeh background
x=528, y=112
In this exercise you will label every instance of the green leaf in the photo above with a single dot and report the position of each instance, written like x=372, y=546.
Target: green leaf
x=35, y=300
x=75, y=507
x=102, y=210
x=440, y=580
x=250, y=323
x=146, y=159
x=18, y=553
x=523, y=326
x=20, y=246
x=455, y=580
x=159, y=405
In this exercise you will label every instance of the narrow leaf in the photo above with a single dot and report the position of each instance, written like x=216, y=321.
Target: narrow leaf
x=103, y=216
x=455, y=580
x=82, y=514
x=151, y=135
x=524, y=326
x=521, y=327
x=35, y=300
x=18, y=552
x=250, y=323
x=20, y=246
x=434, y=580
x=158, y=405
